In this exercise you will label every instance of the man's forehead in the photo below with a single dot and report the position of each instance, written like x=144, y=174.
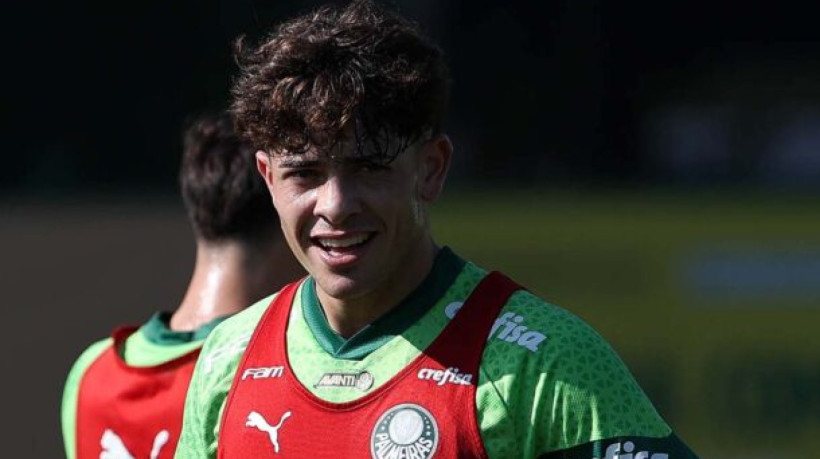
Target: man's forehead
x=290, y=159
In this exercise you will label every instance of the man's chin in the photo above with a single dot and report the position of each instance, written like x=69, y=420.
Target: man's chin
x=340, y=286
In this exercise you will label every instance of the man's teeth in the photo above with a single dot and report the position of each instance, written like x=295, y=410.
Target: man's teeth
x=340, y=243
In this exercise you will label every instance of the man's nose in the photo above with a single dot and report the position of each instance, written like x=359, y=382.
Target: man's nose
x=337, y=199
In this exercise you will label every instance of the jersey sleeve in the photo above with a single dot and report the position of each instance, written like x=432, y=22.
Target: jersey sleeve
x=206, y=395
x=68, y=408
x=211, y=382
x=570, y=396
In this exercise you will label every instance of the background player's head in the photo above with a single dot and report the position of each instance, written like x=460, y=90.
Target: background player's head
x=224, y=197
x=344, y=107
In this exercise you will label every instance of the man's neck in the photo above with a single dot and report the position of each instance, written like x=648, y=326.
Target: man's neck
x=227, y=278
x=346, y=316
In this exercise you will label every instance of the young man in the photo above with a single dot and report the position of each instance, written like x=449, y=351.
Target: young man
x=393, y=347
x=124, y=395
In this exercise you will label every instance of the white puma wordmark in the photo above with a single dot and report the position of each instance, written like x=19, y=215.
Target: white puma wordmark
x=256, y=420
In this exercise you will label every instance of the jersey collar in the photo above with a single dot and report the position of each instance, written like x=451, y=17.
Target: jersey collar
x=446, y=267
x=157, y=330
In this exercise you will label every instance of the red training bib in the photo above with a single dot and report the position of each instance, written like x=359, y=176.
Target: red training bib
x=426, y=410
x=131, y=412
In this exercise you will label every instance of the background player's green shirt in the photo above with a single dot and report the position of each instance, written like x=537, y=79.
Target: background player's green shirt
x=152, y=344
x=549, y=386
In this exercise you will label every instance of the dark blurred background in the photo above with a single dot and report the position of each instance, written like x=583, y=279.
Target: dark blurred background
x=652, y=166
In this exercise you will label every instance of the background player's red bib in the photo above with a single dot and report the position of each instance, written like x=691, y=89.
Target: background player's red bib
x=427, y=410
x=134, y=410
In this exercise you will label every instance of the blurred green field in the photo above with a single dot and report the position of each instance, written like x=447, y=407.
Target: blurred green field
x=712, y=300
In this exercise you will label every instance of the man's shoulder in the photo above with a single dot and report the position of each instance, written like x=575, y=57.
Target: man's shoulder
x=96, y=348
x=529, y=328
x=540, y=356
x=534, y=339
x=243, y=321
x=72, y=387
x=226, y=343
x=526, y=322
x=534, y=327
x=217, y=364
x=86, y=358
x=90, y=355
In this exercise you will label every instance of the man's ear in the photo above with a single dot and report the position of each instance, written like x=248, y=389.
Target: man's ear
x=264, y=166
x=435, y=162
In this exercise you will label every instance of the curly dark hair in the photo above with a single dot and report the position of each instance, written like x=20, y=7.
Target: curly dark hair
x=223, y=193
x=338, y=72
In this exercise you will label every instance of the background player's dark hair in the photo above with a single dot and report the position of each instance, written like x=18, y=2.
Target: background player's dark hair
x=357, y=70
x=223, y=193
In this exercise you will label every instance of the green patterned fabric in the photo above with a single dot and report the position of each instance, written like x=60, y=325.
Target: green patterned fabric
x=548, y=383
x=152, y=344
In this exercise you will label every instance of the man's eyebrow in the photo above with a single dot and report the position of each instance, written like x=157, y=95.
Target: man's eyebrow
x=292, y=163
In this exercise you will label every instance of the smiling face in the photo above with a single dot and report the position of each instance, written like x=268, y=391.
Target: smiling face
x=359, y=229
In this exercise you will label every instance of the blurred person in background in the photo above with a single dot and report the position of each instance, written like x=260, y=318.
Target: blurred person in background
x=394, y=346
x=124, y=395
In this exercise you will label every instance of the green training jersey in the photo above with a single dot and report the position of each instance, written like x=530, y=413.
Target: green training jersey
x=152, y=344
x=549, y=386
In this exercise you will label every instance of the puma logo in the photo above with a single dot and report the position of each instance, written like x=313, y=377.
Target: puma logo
x=256, y=420
x=114, y=448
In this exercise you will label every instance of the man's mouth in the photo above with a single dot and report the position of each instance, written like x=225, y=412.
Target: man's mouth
x=341, y=243
x=344, y=245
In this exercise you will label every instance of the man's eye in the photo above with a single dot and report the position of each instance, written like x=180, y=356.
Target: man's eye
x=301, y=174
